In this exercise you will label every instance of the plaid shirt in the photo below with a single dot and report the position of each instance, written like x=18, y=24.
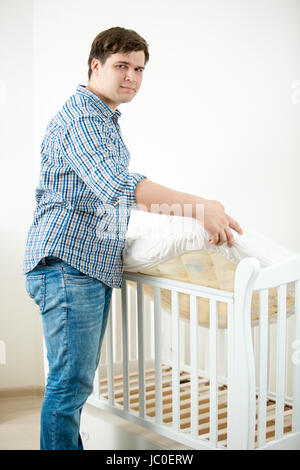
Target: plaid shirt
x=85, y=191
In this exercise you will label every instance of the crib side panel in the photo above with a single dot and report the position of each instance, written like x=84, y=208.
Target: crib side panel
x=173, y=374
x=277, y=350
x=177, y=379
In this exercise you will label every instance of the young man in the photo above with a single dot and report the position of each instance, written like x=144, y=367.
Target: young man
x=74, y=249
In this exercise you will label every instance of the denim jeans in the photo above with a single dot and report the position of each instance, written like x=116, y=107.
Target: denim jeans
x=74, y=310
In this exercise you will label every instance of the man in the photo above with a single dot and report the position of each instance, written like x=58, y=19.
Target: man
x=74, y=249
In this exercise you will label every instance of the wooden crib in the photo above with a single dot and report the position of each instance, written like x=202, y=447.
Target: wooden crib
x=207, y=388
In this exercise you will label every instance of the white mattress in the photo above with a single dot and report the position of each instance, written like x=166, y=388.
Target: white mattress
x=154, y=238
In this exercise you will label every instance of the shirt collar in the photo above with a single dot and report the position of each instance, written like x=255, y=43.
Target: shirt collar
x=109, y=113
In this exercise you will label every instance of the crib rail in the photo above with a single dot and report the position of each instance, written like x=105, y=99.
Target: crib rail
x=279, y=274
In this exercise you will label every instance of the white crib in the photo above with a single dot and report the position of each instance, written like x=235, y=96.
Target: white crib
x=207, y=388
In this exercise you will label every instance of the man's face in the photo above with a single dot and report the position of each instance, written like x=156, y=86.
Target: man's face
x=119, y=79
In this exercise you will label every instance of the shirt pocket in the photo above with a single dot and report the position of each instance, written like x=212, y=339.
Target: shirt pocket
x=35, y=286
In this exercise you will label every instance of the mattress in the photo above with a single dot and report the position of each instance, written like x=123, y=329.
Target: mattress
x=177, y=248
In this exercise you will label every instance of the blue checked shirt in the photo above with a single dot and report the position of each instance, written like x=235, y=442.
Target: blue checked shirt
x=85, y=191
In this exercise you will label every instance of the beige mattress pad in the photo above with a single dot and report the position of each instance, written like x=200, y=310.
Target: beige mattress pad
x=209, y=269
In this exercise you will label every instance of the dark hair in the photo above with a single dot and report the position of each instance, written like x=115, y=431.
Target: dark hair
x=115, y=40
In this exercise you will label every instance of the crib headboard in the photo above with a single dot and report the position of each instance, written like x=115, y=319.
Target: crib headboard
x=250, y=277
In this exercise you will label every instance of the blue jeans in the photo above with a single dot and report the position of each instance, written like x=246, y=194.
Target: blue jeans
x=74, y=310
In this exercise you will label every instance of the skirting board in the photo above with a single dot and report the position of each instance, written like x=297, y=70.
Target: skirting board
x=36, y=391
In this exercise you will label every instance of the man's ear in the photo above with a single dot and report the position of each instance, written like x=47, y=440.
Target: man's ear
x=95, y=65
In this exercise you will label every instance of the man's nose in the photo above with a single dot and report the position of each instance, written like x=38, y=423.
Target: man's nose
x=131, y=75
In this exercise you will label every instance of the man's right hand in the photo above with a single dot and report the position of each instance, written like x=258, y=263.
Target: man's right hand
x=218, y=224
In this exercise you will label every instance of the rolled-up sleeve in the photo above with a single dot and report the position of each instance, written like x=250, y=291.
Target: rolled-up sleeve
x=92, y=154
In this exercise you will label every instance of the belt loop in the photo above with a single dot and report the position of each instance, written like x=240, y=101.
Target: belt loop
x=44, y=261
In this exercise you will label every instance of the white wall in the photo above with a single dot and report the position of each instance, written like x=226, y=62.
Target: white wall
x=217, y=115
x=20, y=327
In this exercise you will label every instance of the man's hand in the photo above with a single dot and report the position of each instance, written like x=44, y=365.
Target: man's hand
x=218, y=224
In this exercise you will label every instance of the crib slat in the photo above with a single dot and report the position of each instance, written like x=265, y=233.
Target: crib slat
x=263, y=365
x=280, y=376
x=213, y=407
x=230, y=371
x=175, y=360
x=140, y=314
x=296, y=371
x=194, y=365
x=157, y=339
x=132, y=321
x=117, y=330
x=181, y=286
x=270, y=359
x=109, y=345
x=125, y=344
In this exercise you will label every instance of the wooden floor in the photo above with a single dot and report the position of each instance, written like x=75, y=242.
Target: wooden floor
x=20, y=422
x=185, y=403
x=20, y=428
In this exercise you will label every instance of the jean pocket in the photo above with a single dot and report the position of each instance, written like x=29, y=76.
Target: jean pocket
x=79, y=279
x=35, y=286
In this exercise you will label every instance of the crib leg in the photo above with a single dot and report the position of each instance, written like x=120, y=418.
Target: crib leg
x=241, y=367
